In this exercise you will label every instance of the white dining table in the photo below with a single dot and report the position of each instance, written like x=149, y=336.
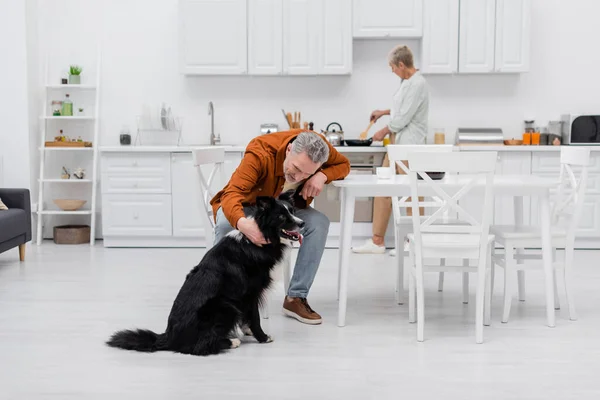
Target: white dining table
x=516, y=186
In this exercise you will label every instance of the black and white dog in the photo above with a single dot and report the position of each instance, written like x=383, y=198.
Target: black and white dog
x=225, y=290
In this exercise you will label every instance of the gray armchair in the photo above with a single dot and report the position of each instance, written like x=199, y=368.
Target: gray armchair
x=15, y=223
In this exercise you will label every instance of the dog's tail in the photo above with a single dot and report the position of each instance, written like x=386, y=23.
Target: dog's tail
x=138, y=340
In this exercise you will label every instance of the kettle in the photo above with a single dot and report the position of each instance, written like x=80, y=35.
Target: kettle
x=333, y=137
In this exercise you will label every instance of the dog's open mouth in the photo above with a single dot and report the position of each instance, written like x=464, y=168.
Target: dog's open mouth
x=292, y=235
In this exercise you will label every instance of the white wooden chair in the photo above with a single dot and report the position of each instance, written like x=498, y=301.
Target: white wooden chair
x=403, y=223
x=204, y=157
x=566, y=213
x=468, y=238
x=215, y=156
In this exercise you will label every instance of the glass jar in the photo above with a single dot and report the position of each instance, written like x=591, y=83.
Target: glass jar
x=56, y=106
x=67, y=107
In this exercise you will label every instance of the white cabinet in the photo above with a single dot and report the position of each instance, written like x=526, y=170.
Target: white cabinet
x=136, y=215
x=513, y=18
x=213, y=37
x=265, y=37
x=439, y=50
x=186, y=205
x=388, y=18
x=335, y=43
x=477, y=36
x=300, y=37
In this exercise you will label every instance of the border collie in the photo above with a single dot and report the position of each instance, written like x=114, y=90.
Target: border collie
x=224, y=291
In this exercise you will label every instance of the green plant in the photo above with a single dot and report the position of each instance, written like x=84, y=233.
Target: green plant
x=75, y=70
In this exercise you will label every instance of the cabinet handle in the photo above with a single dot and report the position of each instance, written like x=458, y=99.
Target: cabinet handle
x=135, y=185
x=135, y=216
x=135, y=163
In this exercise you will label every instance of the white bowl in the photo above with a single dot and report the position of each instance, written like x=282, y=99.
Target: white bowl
x=384, y=172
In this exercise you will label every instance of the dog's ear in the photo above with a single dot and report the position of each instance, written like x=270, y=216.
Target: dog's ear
x=264, y=202
x=288, y=196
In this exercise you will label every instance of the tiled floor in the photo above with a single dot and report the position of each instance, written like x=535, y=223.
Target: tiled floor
x=58, y=308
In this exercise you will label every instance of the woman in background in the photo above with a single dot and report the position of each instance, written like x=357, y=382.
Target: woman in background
x=408, y=125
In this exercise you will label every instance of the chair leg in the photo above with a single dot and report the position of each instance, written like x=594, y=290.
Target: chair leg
x=480, y=298
x=420, y=302
x=509, y=268
x=521, y=277
x=465, y=283
x=441, y=277
x=568, y=278
x=411, y=290
x=556, y=295
x=264, y=310
x=492, y=269
x=487, y=317
x=22, y=252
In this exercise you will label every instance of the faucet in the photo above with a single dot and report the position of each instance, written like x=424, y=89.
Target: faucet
x=213, y=139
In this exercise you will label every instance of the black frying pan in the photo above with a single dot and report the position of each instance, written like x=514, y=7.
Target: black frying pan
x=358, y=142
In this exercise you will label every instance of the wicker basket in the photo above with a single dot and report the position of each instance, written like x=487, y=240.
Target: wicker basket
x=72, y=234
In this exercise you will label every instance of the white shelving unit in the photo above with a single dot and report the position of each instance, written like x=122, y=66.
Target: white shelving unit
x=43, y=180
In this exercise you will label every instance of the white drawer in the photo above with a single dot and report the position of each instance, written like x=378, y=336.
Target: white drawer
x=136, y=173
x=550, y=162
x=136, y=215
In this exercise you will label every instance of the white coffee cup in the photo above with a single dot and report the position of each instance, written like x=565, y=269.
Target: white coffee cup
x=384, y=172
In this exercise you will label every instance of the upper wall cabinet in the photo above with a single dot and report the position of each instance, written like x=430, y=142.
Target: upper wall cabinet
x=388, y=18
x=491, y=37
x=477, y=32
x=439, y=50
x=513, y=19
x=213, y=37
x=300, y=37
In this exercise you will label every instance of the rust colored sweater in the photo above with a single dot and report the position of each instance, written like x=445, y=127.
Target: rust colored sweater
x=261, y=174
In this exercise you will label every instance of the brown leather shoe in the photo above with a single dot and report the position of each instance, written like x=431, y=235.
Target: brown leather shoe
x=297, y=307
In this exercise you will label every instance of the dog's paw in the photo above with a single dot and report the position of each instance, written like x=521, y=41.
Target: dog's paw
x=267, y=339
x=247, y=331
x=235, y=343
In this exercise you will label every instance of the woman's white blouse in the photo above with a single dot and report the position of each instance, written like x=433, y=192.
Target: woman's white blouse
x=410, y=111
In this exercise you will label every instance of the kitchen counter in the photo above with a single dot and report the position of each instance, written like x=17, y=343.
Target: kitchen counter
x=516, y=148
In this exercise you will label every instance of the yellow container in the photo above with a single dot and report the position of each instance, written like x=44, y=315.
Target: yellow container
x=386, y=141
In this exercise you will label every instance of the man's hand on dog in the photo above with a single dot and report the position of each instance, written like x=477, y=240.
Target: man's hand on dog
x=250, y=229
x=313, y=186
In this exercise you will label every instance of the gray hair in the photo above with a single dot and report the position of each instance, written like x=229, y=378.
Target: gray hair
x=401, y=54
x=313, y=145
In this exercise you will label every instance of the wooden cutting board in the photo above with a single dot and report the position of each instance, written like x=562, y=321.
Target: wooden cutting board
x=68, y=144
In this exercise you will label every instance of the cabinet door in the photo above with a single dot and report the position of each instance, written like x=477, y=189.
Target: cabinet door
x=513, y=19
x=265, y=41
x=136, y=215
x=213, y=37
x=477, y=31
x=301, y=23
x=512, y=163
x=388, y=18
x=440, y=36
x=335, y=42
x=187, y=206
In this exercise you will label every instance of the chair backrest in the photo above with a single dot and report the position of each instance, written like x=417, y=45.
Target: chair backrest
x=473, y=169
x=397, y=154
x=568, y=206
x=214, y=156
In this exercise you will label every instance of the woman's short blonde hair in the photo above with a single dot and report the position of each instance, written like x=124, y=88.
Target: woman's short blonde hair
x=401, y=54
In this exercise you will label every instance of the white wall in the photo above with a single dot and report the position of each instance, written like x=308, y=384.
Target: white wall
x=140, y=66
x=14, y=106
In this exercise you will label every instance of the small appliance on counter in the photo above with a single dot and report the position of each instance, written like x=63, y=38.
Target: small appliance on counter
x=479, y=136
x=336, y=138
x=268, y=128
x=581, y=129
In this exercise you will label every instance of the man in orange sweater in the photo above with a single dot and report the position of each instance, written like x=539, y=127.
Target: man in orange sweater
x=292, y=160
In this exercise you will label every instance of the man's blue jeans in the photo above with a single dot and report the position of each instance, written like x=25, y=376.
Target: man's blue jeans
x=315, y=233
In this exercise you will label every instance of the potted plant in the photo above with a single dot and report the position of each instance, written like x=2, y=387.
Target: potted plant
x=75, y=74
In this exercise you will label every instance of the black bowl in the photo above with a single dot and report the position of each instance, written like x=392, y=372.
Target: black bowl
x=436, y=176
